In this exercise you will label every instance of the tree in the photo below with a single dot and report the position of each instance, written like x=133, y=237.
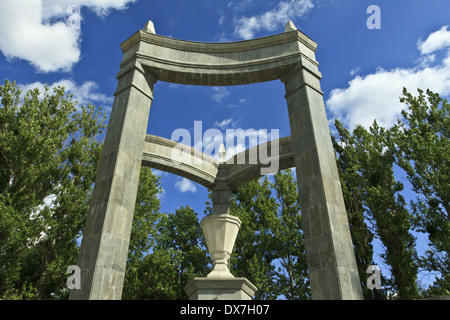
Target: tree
x=182, y=236
x=49, y=151
x=422, y=138
x=384, y=205
x=387, y=207
x=292, y=274
x=254, y=250
x=269, y=249
x=351, y=183
x=143, y=237
x=175, y=254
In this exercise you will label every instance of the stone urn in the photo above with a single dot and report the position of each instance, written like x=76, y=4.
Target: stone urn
x=220, y=232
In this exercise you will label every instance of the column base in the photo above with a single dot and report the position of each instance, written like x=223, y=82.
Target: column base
x=220, y=289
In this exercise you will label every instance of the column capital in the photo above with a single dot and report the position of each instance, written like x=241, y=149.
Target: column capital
x=135, y=75
x=299, y=77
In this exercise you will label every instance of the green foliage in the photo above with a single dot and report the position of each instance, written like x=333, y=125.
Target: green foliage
x=423, y=151
x=174, y=252
x=48, y=151
x=182, y=236
x=269, y=249
x=292, y=275
x=142, y=239
x=254, y=249
x=351, y=183
x=371, y=169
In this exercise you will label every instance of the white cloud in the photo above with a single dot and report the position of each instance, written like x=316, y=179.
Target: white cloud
x=222, y=17
x=224, y=123
x=36, y=31
x=158, y=173
x=222, y=37
x=185, y=185
x=84, y=93
x=240, y=5
x=273, y=19
x=376, y=95
x=355, y=71
x=235, y=140
x=435, y=41
x=161, y=194
x=219, y=94
x=100, y=7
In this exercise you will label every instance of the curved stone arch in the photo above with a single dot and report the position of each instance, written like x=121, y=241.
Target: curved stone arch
x=147, y=58
x=198, y=167
x=204, y=170
x=238, y=174
x=219, y=64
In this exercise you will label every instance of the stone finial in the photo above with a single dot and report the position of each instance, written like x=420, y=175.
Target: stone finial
x=222, y=153
x=290, y=26
x=149, y=27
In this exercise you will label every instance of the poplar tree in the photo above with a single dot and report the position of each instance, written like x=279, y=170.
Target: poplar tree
x=351, y=183
x=422, y=138
x=377, y=198
x=387, y=208
x=269, y=249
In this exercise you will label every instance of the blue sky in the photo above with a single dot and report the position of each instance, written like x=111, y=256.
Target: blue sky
x=363, y=69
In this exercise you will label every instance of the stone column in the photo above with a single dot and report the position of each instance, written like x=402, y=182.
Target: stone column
x=106, y=236
x=221, y=195
x=331, y=262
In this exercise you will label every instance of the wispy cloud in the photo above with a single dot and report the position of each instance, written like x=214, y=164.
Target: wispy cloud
x=219, y=94
x=355, y=71
x=247, y=27
x=185, y=185
x=84, y=93
x=224, y=123
x=221, y=17
x=239, y=5
x=376, y=95
x=100, y=7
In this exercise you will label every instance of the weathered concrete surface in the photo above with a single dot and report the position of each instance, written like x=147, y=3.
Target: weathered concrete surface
x=218, y=64
x=248, y=165
x=106, y=236
x=160, y=153
x=220, y=289
x=330, y=257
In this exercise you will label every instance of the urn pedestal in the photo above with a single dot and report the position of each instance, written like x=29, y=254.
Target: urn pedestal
x=220, y=232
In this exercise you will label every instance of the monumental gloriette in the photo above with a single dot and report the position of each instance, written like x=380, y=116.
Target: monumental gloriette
x=147, y=58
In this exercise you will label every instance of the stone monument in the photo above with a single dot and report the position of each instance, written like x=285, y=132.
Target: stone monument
x=147, y=58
